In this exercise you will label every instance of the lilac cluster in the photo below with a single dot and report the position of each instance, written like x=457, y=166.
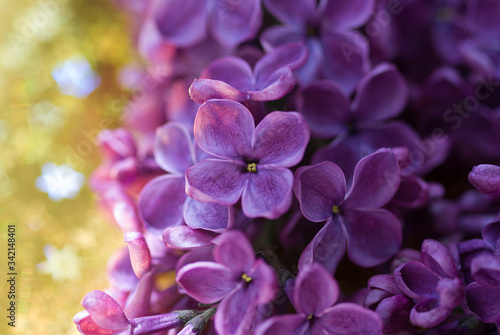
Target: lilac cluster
x=266, y=140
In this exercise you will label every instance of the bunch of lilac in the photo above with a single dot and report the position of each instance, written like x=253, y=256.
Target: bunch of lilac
x=305, y=167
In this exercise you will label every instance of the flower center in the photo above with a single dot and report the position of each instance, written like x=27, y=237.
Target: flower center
x=310, y=316
x=252, y=167
x=246, y=278
x=335, y=209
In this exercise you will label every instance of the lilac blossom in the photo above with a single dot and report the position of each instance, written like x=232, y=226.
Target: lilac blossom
x=163, y=202
x=354, y=220
x=486, y=179
x=336, y=51
x=232, y=78
x=237, y=280
x=315, y=292
x=251, y=161
x=186, y=22
x=433, y=283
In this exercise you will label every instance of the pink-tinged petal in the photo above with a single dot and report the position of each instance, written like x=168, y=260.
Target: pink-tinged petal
x=376, y=180
x=381, y=94
x=181, y=22
x=315, y=290
x=346, y=59
x=205, y=89
x=438, y=258
x=235, y=313
x=485, y=270
x=327, y=248
x=373, y=236
x=428, y=313
x=233, y=22
x=184, y=237
x=268, y=192
x=117, y=144
x=208, y=216
x=296, y=13
x=416, y=281
x=275, y=36
x=160, y=202
x=394, y=312
x=137, y=303
x=279, y=84
x=265, y=281
x=123, y=208
x=280, y=139
x=342, y=15
x=179, y=106
x=120, y=272
x=173, y=148
x=232, y=70
x=325, y=108
x=213, y=180
x=491, y=233
x=105, y=311
x=140, y=256
x=318, y=188
x=486, y=179
x=349, y=318
x=483, y=301
x=206, y=282
x=283, y=325
x=87, y=326
x=234, y=251
x=224, y=128
x=292, y=55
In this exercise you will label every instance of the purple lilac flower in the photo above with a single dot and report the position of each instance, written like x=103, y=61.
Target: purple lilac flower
x=163, y=202
x=232, y=78
x=336, y=51
x=103, y=315
x=486, y=179
x=372, y=235
x=315, y=292
x=433, y=283
x=187, y=22
x=236, y=280
x=251, y=161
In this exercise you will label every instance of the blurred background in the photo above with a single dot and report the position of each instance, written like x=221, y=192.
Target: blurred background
x=59, y=61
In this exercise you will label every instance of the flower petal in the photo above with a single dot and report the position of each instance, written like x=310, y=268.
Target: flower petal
x=348, y=14
x=213, y=180
x=483, y=301
x=428, y=313
x=485, y=270
x=280, y=139
x=318, y=188
x=288, y=324
x=232, y=22
x=381, y=94
x=173, y=148
x=395, y=312
x=327, y=248
x=438, y=258
x=160, y=202
x=349, y=318
x=184, y=237
x=279, y=84
x=181, y=22
x=265, y=281
x=268, y=192
x=224, y=128
x=206, y=282
x=315, y=290
x=105, y=311
x=235, y=313
x=296, y=13
x=373, y=236
x=486, y=179
x=234, y=251
x=491, y=233
x=346, y=58
x=416, y=281
x=325, y=108
x=376, y=180
x=208, y=216
x=202, y=90
x=140, y=256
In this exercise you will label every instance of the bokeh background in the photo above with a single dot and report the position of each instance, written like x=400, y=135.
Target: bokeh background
x=59, y=61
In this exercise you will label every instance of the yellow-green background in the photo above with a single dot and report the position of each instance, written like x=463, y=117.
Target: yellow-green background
x=98, y=31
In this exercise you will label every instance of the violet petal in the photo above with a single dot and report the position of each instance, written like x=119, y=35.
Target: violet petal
x=234, y=251
x=483, y=301
x=235, y=313
x=184, y=237
x=486, y=179
x=208, y=216
x=348, y=14
x=294, y=14
x=349, y=318
x=416, y=281
x=173, y=148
